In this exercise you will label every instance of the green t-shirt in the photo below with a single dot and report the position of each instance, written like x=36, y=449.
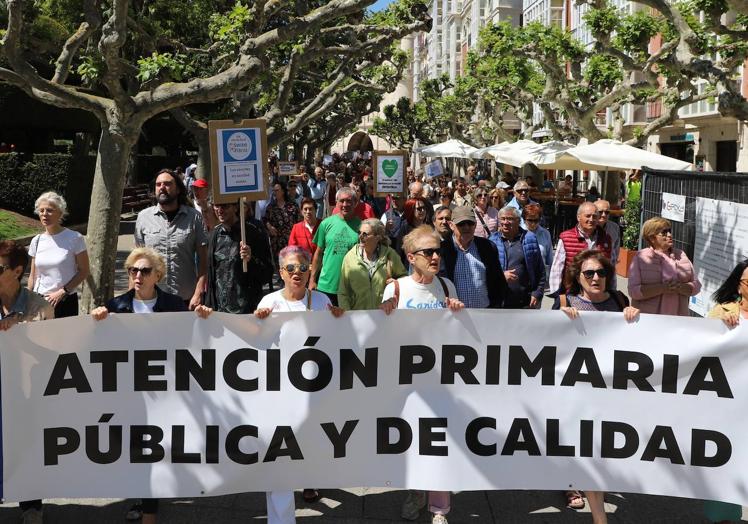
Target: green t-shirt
x=335, y=237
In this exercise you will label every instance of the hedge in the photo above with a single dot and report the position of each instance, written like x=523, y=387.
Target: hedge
x=23, y=181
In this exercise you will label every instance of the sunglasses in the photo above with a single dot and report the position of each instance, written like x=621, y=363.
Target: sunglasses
x=522, y=190
x=428, y=252
x=420, y=209
x=145, y=271
x=291, y=268
x=604, y=212
x=588, y=274
x=532, y=220
x=665, y=232
x=364, y=235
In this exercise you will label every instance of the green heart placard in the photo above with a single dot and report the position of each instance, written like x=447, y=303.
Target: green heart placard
x=389, y=167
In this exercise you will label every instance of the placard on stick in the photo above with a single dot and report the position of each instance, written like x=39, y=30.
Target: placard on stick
x=238, y=157
x=389, y=172
x=288, y=168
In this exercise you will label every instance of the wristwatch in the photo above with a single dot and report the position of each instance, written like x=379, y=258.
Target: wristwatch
x=65, y=289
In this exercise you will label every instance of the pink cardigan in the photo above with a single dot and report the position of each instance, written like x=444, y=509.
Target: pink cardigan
x=652, y=267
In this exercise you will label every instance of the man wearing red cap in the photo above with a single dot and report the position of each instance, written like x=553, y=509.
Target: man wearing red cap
x=202, y=193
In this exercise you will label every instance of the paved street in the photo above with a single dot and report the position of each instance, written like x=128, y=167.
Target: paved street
x=370, y=505
x=363, y=506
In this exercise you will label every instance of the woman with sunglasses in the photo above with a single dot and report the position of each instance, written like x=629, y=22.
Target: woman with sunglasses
x=661, y=277
x=423, y=289
x=368, y=267
x=145, y=267
x=416, y=213
x=590, y=285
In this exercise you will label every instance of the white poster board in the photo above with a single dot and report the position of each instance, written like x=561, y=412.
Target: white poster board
x=434, y=169
x=721, y=242
x=674, y=207
x=238, y=155
x=288, y=168
x=389, y=172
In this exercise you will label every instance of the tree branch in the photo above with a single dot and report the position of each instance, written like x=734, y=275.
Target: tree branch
x=84, y=32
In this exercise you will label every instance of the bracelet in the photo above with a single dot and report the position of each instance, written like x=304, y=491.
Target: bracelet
x=65, y=289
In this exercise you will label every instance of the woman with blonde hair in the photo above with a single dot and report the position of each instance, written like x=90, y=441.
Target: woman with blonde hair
x=661, y=277
x=145, y=268
x=59, y=257
x=368, y=267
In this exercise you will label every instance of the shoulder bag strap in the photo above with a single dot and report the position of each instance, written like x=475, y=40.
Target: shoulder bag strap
x=480, y=217
x=563, y=300
x=308, y=300
x=444, y=287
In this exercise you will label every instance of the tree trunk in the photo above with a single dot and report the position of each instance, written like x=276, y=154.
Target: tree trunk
x=104, y=216
x=203, y=155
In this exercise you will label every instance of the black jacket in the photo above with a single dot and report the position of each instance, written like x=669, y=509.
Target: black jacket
x=165, y=302
x=489, y=255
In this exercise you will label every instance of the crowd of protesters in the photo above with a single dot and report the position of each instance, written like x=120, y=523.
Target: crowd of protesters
x=329, y=243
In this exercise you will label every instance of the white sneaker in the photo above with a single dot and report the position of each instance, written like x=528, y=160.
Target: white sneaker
x=32, y=516
x=438, y=519
x=414, y=503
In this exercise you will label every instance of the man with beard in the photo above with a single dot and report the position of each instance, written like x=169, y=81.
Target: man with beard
x=176, y=231
x=230, y=288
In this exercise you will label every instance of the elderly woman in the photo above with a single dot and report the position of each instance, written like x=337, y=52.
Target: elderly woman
x=496, y=198
x=59, y=258
x=295, y=265
x=661, y=277
x=486, y=216
x=145, y=268
x=590, y=285
x=302, y=233
x=732, y=297
x=423, y=289
x=368, y=267
x=446, y=197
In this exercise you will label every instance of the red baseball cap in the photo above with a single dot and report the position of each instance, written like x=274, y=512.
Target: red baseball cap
x=200, y=182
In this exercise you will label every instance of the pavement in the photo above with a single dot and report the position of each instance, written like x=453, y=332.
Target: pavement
x=370, y=505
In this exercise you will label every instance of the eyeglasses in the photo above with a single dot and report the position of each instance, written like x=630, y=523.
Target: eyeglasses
x=364, y=235
x=145, y=271
x=603, y=211
x=291, y=268
x=483, y=195
x=420, y=208
x=665, y=232
x=428, y=252
x=466, y=223
x=588, y=274
x=522, y=190
x=3, y=267
x=532, y=220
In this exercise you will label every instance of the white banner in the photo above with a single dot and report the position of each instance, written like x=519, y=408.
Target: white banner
x=169, y=405
x=721, y=242
x=674, y=207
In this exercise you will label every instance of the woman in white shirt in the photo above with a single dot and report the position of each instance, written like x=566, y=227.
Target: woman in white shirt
x=59, y=258
x=295, y=266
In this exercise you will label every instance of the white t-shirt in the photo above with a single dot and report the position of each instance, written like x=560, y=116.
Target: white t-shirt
x=280, y=304
x=420, y=296
x=143, y=306
x=54, y=259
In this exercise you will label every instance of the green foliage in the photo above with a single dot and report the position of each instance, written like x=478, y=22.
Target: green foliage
x=48, y=29
x=605, y=20
x=632, y=218
x=228, y=29
x=174, y=65
x=90, y=68
x=23, y=182
x=635, y=32
x=603, y=72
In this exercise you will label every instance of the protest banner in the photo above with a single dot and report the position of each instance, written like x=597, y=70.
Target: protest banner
x=238, y=154
x=288, y=168
x=389, y=172
x=170, y=405
x=720, y=242
x=434, y=168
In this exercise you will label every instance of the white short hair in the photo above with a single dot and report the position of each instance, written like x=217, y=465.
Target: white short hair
x=53, y=198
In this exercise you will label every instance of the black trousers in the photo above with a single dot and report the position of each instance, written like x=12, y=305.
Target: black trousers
x=67, y=307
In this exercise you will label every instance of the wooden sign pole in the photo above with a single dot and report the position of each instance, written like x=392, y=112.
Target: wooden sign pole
x=242, y=220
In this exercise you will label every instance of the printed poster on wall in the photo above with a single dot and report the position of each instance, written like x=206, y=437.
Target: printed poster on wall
x=389, y=172
x=674, y=207
x=238, y=160
x=721, y=242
